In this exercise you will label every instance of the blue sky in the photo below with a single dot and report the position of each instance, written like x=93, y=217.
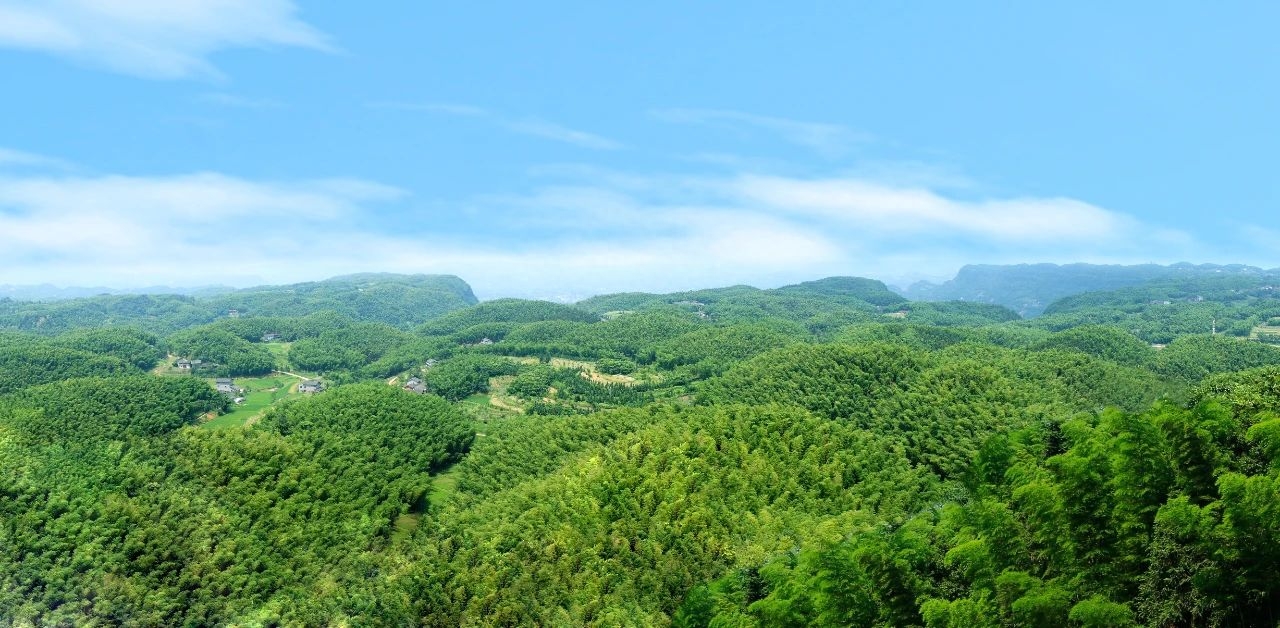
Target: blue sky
x=562, y=149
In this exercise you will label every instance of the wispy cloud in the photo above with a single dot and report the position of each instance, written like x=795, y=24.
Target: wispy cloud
x=535, y=127
x=580, y=231
x=153, y=38
x=831, y=140
x=17, y=158
x=873, y=206
x=558, y=133
x=235, y=101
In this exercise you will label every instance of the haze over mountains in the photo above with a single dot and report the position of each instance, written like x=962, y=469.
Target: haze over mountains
x=1029, y=288
x=1024, y=288
x=383, y=449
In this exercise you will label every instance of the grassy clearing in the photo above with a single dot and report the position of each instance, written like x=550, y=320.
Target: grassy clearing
x=565, y=363
x=589, y=371
x=481, y=410
x=281, y=352
x=443, y=486
x=1266, y=333
x=404, y=526
x=261, y=393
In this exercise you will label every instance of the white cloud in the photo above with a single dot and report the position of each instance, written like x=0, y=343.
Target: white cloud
x=880, y=207
x=831, y=140
x=99, y=223
x=583, y=231
x=534, y=127
x=17, y=158
x=207, y=228
x=162, y=39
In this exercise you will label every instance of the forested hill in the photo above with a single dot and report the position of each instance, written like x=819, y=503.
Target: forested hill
x=1029, y=288
x=381, y=450
x=398, y=300
x=856, y=291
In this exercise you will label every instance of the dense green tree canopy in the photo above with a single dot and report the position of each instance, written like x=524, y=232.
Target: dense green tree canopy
x=823, y=454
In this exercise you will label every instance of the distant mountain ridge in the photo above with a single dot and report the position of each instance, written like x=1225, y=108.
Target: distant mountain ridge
x=399, y=300
x=1030, y=288
x=50, y=292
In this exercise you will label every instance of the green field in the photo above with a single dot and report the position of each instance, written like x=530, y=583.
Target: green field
x=1266, y=333
x=261, y=393
x=281, y=352
x=443, y=485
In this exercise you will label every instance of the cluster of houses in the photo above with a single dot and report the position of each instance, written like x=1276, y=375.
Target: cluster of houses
x=416, y=386
x=184, y=364
x=227, y=386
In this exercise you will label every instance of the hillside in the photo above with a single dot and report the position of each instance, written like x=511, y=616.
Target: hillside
x=1029, y=288
x=400, y=300
x=823, y=454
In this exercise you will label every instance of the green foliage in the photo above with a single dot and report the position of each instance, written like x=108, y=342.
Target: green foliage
x=124, y=520
x=616, y=366
x=621, y=531
x=1030, y=289
x=138, y=348
x=1247, y=392
x=1193, y=358
x=526, y=448
x=942, y=464
x=833, y=381
x=926, y=337
x=712, y=350
x=465, y=375
x=847, y=288
x=1142, y=518
x=345, y=348
x=1160, y=312
x=76, y=410
x=414, y=432
x=29, y=361
x=232, y=354
x=155, y=313
x=958, y=313
x=820, y=306
x=532, y=383
x=399, y=300
x=1108, y=343
x=632, y=336
x=508, y=311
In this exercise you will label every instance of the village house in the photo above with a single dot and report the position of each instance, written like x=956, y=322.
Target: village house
x=311, y=386
x=227, y=386
x=416, y=386
x=269, y=336
x=183, y=364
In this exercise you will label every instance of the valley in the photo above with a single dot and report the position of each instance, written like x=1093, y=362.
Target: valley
x=828, y=453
